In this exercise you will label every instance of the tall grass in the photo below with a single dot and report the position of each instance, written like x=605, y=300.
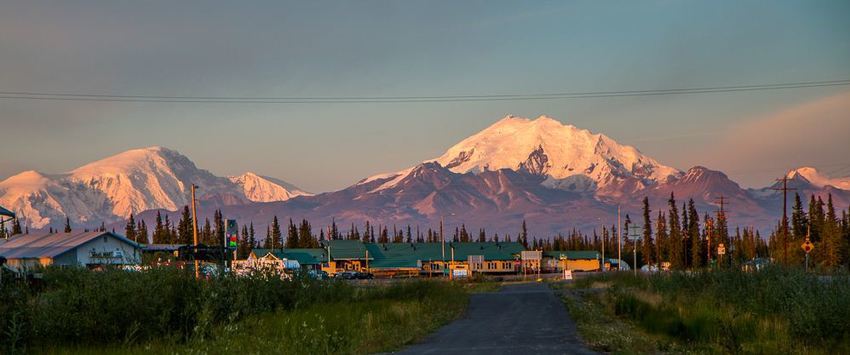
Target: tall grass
x=775, y=310
x=78, y=307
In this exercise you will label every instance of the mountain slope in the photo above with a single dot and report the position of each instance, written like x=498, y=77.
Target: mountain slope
x=258, y=188
x=129, y=182
x=567, y=157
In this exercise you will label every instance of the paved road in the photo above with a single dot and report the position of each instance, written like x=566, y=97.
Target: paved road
x=519, y=319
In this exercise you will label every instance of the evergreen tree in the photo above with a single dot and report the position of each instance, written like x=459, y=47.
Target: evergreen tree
x=218, y=236
x=130, y=229
x=159, y=233
x=206, y=235
x=384, y=237
x=696, y=244
x=677, y=259
x=267, y=242
x=67, y=225
x=464, y=235
x=142, y=233
x=831, y=235
x=185, y=228
x=648, y=248
x=523, y=235
x=305, y=235
x=244, y=246
x=276, y=236
x=661, y=243
x=799, y=220
x=252, y=240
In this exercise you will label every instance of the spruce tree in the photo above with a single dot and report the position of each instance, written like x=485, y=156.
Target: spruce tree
x=185, y=228
x=305, y=235
x=799, y=222
x=677, y=259
x=291, y=235
x=661, y=243
x=831, y=238
x=67, y=225
x=276, y=235
x=252, y=240
x=648, y=246
x=130, y=228
x=696, y=243
x=142, y=233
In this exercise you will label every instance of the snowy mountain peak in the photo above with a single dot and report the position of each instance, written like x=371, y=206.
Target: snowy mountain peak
x=545, y=146
x=128, y=183
x=258, y=188
x=814, y=177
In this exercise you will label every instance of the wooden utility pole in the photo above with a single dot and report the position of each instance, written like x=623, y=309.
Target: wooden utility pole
x=195, y=231
x=443, y=243
x=784, y=190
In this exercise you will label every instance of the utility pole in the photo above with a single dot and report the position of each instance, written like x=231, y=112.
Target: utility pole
x=619, y=239
x=443, y=242
x=784, y=190
x=195, y=232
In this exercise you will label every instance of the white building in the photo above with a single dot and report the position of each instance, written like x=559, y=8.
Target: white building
x=84, y=249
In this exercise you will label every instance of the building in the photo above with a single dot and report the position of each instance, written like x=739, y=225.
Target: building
x=84, y=249
x=576, y=260
x=301, y=258
x=414, y=259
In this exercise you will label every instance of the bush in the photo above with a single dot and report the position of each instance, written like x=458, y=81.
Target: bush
x=79, y=307
x=775, y=308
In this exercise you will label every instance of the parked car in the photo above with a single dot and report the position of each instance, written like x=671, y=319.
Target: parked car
x=364, y=276
x=318, y=274
x=346, y=275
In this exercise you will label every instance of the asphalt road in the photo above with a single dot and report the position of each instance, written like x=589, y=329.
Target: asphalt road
x=519, y=319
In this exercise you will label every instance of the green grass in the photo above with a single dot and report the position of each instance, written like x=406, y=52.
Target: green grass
x=168, y=311
x=772, y=311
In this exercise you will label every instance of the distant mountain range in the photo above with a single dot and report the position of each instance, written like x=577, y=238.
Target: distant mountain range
x=556, y=177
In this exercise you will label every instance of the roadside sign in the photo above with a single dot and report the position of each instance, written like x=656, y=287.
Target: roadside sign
x=807, y=246
x=568, y=274
x=231, y=233
x=721, y=249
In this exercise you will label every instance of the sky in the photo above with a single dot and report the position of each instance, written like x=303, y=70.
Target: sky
x=421, y=48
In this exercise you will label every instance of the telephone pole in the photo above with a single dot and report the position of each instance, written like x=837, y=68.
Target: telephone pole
x=784, y=190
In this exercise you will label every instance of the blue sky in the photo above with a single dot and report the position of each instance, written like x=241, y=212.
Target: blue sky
x=410, y=48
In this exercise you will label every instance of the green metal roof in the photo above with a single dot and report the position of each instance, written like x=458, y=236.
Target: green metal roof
x=573, y=254
x=304, y=256
x=5, y=212
x=397, y=255
x=345, y=249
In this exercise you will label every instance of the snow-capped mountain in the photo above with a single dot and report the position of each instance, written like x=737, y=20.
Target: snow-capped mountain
x=567, y=157
x=266, y=189
x=815, y=178
x=126, y=183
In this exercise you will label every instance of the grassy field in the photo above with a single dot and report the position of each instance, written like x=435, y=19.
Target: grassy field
x=768, y=312
x=167, y=311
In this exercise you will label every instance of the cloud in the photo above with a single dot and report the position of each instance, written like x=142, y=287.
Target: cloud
x=812, y=133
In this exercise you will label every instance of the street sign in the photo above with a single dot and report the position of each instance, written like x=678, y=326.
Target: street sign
x=807, y=246
x=231, y=233
x=721, y=249
x=568, y=274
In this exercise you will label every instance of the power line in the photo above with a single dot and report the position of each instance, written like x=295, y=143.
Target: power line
x=67, y=96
